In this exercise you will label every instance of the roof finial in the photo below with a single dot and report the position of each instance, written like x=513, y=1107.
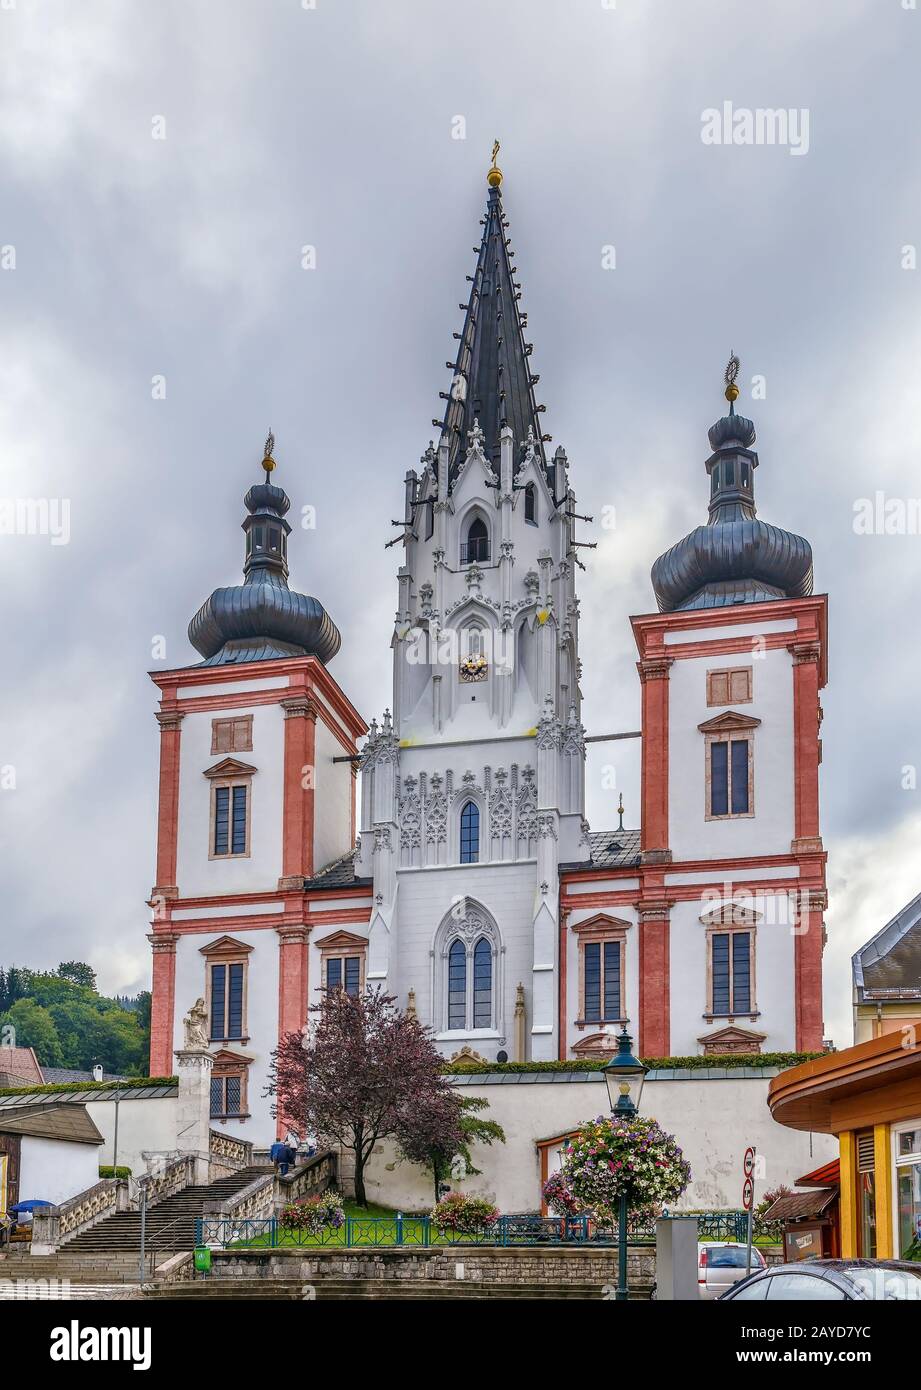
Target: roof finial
x=494, y=177
x=620, y=811
x=268, y=462
x=732, y=371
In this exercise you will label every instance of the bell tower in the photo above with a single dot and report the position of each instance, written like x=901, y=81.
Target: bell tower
x=473, y=791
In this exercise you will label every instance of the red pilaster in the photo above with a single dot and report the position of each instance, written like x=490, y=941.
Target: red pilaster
x=168, y=810
x=654, y=671
x=163, y=1002
x=300, y=775
x=292, y=985
x=655, y=979
x=806, y=684
x=808, y=943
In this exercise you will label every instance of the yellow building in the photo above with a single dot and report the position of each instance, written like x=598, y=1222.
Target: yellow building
x=869, y=1096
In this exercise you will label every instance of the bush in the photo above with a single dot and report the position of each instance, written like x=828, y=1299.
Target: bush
x=313, y=1214
x=696, y=1063
x=107, y=1171
x=460, y=1214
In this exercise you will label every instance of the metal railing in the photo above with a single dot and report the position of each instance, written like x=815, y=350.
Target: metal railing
x=400, y=1230
x=475, y=551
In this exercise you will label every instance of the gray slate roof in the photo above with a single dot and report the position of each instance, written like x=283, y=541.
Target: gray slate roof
x=889, y=965
x=609, y=849
x=32, y=1097
x=339, y=874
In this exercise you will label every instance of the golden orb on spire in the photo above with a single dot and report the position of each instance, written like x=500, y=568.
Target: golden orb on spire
x=732, y=371
x=494, y=176
x=268, y=462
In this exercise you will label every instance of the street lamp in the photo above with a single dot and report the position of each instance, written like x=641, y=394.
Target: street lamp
x=623, y=1076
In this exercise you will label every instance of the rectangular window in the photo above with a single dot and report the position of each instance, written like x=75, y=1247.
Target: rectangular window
x=601, y=981
x=226, y=1096
x=227, y=1001
x=731, y=973
x=230, y=820
x=730, y=777
x=732, y=686
x=232, y=735
x=344, y=971
x=482, y=989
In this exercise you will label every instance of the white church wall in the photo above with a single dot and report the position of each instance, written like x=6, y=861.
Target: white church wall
x=332, y=826
x=144, y=1126
x=261, y=1024
x=771, y=828
x=713, y=1120
x=426, y=896
x=773, y=976
x=197, y=874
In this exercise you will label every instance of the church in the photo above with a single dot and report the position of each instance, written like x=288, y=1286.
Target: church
x=464, y=878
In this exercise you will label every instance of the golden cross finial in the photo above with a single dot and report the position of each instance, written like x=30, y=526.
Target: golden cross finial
x=268, y=462
x=494, y=177
x=732, y=371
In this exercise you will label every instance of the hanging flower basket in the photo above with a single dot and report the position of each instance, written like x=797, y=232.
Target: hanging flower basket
x=611, y=1156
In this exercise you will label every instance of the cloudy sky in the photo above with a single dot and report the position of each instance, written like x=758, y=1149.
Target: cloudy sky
x=162, y=168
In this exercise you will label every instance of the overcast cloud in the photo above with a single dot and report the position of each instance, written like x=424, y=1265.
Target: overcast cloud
x=331, y=127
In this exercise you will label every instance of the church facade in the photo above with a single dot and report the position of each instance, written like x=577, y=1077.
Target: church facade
x=466, y=880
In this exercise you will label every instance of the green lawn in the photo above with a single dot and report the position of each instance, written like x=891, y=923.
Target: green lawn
x=382, y=1232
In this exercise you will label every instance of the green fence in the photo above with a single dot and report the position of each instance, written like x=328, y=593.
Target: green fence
x=399, y=1230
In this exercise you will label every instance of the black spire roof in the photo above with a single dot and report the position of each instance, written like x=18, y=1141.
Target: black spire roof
x=492, y=380
x=735, y=558
x=261, y=618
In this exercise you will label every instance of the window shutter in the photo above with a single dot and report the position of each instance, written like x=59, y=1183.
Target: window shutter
x=740, y=686
x=718, y=694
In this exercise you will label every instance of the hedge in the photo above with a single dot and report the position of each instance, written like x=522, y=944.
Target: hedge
x=66, y=1086
x=729, y=1059
x=107, y=1171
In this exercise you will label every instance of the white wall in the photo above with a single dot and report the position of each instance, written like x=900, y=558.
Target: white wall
x=261, y=1017
x=332, y=831
x=713, y=1121
x=56, y=1169
x=196, y=873
x=144, y=1126
x=771, y=828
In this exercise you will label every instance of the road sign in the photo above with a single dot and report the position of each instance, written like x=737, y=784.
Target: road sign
x=748, y=1162
x=748, y=1194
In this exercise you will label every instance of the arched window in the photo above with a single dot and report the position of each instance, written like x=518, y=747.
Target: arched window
x=473, y=642
x=470, y=834
x=482, y=984
x=530, y=505
x=476, y=547
x=457, y=986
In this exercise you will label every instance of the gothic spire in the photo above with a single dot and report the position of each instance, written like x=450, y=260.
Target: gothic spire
x=492, y=380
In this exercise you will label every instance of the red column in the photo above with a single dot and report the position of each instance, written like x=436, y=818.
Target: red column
x=655, y=979
x=168, y=812
x=300, y=775
x=163, y=1002
x=654, y=776
x=806, y=746
x=292, y=985
x=808, y=944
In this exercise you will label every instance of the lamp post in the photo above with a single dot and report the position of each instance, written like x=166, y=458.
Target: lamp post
x=623, y=1076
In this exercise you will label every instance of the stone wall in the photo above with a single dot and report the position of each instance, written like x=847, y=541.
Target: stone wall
x=470, y=1263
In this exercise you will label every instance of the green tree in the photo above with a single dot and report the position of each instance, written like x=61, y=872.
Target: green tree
x=34, y=1027
x=79, y=973
x=432, y=1141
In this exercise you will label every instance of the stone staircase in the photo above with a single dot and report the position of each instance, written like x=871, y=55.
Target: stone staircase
x=109, y=1251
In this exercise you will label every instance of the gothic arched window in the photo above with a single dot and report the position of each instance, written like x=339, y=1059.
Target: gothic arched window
x=457, y=986
x=530, y=505
x=470, y=834
x=476, y=547
x=482, y=984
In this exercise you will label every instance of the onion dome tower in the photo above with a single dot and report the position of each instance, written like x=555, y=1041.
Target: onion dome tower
x=261, y=618
x=735, y=557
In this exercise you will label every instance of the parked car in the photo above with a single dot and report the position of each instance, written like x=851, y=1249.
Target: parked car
x=721, y=1264
x=840, y=1281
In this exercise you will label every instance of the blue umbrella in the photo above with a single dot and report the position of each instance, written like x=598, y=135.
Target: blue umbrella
x=30, y=1206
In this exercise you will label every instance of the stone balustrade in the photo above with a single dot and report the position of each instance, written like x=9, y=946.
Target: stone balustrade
x=227, y=1154
x=53, y=1226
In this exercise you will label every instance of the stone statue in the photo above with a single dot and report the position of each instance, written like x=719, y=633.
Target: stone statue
x=194, y=1024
